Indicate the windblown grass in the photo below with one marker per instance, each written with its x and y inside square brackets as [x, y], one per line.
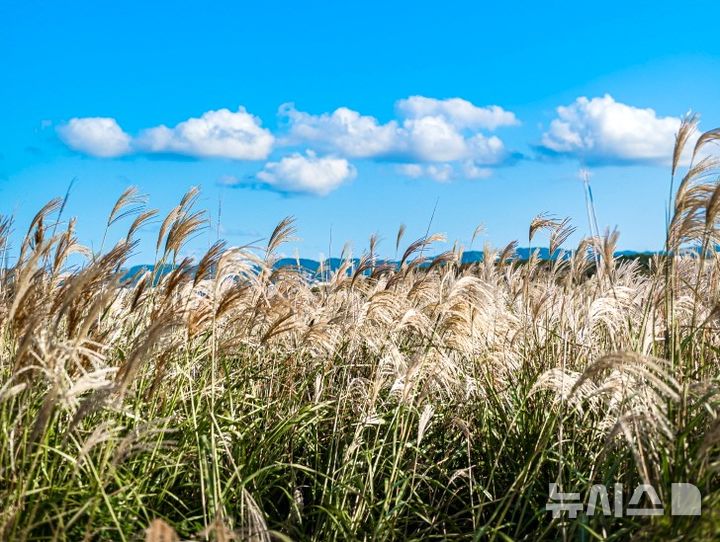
[230, 399]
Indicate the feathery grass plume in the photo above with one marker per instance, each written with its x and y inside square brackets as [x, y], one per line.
[543, 221]
[36, 232]
[568, 388]
[366, 263]
[418, 245]
[171, 217]
[78, 287]
[282, 233]
[651, 370]
[687, 129]
[138, 356]
[399, 238]
[183, 230]
[509, 252]
[559, 234]
[142, 282]
[129, 203]
[699, 172]
[479, 230]
[710, 136]
[695, 208]
[63, 204]
[26, 273]
[189, 199]
[142, 219]
[172, 282]
[67, 244]
[372, 245]
[180, 224]
[209, 262]
[605, 247]
[283, 324]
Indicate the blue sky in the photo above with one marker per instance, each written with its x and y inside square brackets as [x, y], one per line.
[354, 117]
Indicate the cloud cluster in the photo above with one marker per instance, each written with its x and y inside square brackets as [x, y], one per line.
[429, 138]
[427, 131]
[601, 130]
[236, 135]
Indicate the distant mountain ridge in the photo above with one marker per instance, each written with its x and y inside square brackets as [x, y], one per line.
[332, 264]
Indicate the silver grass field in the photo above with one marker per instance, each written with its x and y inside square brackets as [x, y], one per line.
[229, 399]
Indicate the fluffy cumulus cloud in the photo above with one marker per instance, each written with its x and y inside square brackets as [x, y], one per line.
[601, 130]
[344, 131]
[428, 131]
[307, 173]
[348, 133]
[236, 135]
[457, 111]
[95, 136]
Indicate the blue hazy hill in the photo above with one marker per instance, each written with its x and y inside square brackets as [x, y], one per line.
[312, 267]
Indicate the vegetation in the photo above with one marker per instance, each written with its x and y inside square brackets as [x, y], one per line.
[231, 399]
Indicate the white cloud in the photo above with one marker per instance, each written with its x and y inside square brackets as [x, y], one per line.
[434, 131]
[472, 171]
[456, 111]
[96, 136]
[307, 173]
[437, 172]
[603, 130]
[344, 131]
[237, 135]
